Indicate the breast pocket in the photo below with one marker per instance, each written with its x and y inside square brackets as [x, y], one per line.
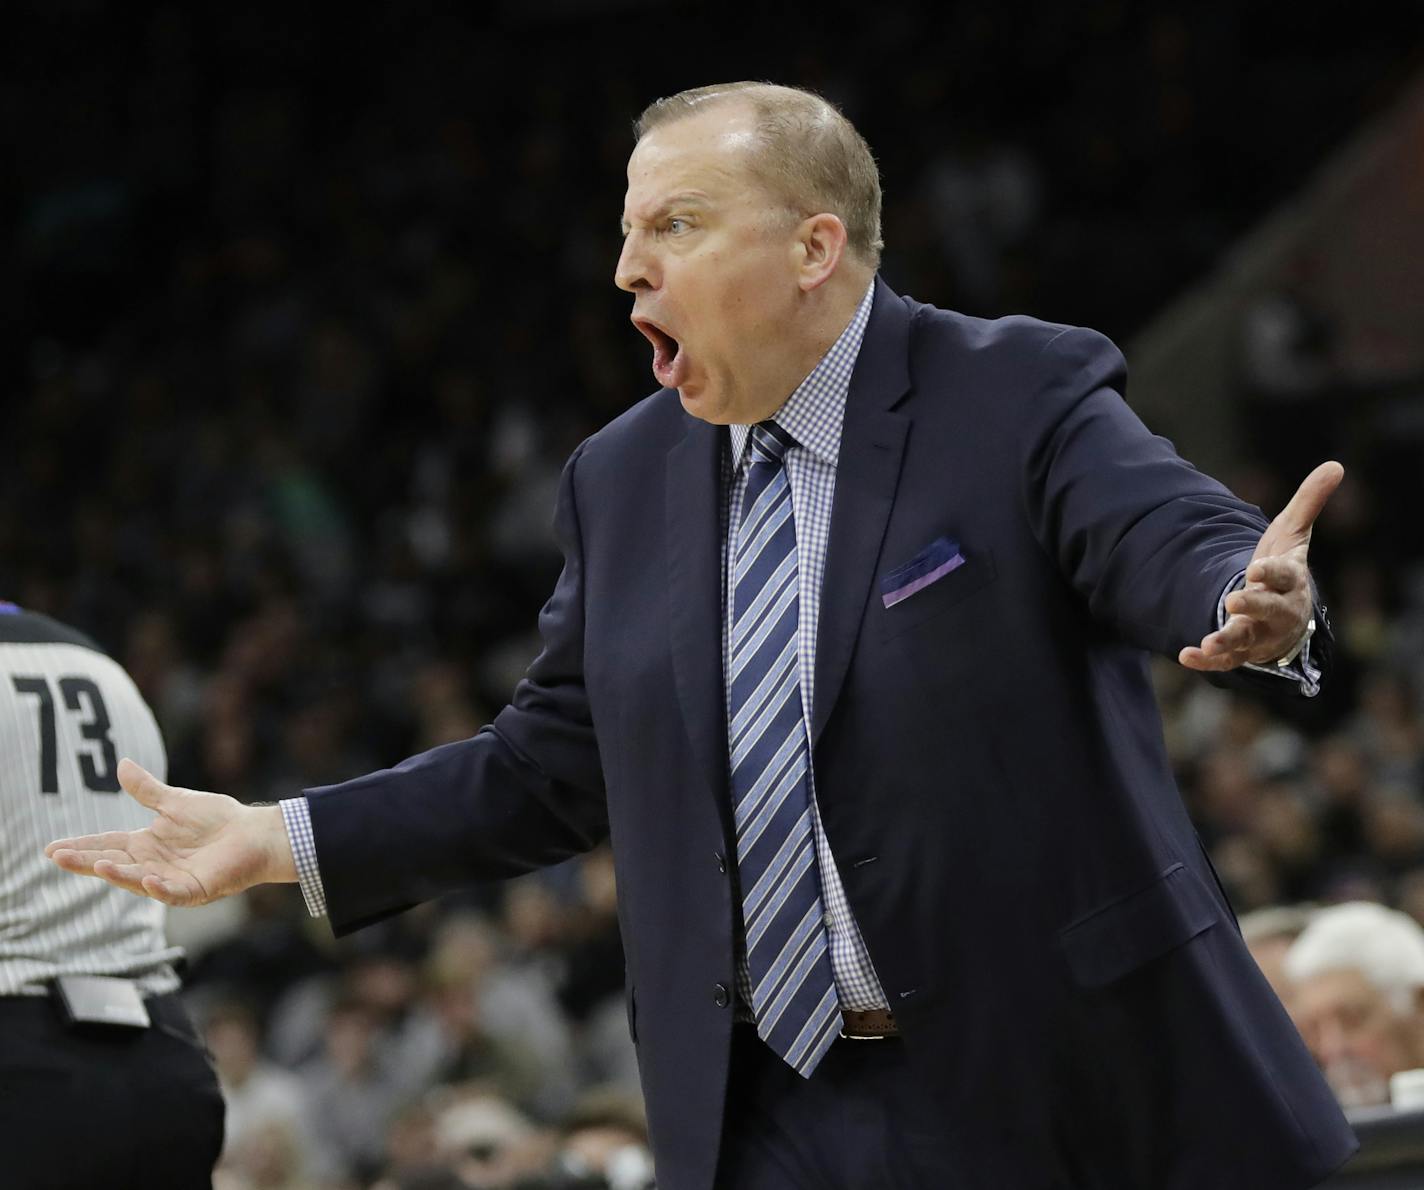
[975, 575]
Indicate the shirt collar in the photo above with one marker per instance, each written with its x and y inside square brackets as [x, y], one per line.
[815, 412]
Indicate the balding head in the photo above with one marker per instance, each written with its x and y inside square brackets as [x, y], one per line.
[806, 153]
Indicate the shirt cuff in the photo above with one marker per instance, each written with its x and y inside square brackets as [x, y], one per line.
[1299, 669]
[297, 815]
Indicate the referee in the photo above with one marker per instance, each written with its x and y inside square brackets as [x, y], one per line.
[103, 1081]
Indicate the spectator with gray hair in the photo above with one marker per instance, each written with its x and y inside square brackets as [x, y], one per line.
[1269, 933]
[1356, 973]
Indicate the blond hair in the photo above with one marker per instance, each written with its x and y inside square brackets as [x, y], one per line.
[810, 156]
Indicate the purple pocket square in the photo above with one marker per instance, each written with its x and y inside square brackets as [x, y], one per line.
[931, 564]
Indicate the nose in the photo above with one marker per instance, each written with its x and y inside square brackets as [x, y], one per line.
[636, 270]
[1331, 1042]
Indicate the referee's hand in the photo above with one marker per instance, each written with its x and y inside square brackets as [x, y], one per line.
[198, 848]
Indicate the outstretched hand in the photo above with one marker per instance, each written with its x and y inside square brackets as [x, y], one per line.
[199, 848]
[1269, 615]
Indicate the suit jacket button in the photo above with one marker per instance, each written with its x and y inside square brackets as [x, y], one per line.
[720, 995]
[721, 862]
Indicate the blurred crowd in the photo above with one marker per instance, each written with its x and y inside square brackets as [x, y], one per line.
[307, 336]
[478, 1042]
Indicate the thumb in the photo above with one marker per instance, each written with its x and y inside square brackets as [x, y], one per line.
[143, 786]
[1299, 515]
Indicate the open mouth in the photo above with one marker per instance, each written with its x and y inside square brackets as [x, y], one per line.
[669, 363]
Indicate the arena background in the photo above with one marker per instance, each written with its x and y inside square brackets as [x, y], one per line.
[307, 307]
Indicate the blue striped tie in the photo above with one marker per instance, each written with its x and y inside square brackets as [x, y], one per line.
[788, 953]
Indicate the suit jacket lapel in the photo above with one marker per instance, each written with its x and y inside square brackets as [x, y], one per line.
[694, 489]
[872, 447]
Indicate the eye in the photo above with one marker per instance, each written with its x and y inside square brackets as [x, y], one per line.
[677, 226]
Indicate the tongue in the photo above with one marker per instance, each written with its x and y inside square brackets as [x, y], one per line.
[669, 365]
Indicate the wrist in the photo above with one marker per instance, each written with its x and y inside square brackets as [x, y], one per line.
[1305, 636]
[281, 867]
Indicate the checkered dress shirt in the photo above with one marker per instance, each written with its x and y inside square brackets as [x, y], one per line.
[813, 415]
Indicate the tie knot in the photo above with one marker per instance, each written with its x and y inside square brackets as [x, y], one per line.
[769, 443]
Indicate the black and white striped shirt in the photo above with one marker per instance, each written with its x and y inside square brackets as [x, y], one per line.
[67, 713]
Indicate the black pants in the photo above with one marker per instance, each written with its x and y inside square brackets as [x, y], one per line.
[136, 1108]
[858, 1123]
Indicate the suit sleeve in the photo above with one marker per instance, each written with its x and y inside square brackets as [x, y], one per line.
[1145, 538]
[525, 792]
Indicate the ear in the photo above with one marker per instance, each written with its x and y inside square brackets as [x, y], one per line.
[820, 245]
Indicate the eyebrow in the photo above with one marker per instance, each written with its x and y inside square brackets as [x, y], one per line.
[671, 204]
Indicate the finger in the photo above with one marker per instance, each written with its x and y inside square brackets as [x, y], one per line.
[128, 877]
[73, 861]
[1299, 515]
[108, 841]
[170, 892]
[84, 862]
[1193, 658]
[1276, 574]
[143, 786]
[1235, 636]
[1261, 606]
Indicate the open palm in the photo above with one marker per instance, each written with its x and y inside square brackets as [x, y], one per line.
[1268, 617]
[199, 847]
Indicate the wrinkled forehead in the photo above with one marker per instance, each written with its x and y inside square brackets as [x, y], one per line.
[1337, 990]
[711, 153]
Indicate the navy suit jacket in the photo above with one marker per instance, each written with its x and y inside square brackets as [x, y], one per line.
[1066, 971]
